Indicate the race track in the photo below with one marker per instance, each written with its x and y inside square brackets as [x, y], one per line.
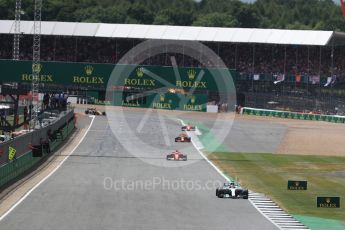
[93, 189]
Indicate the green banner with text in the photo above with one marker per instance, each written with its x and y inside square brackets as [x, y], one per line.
[328, 202]
[98, 75]
[297, 185]
[169, 101]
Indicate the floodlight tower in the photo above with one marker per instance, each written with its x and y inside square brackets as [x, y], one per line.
[16, 37]
[36, 56]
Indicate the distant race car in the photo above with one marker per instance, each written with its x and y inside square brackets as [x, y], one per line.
[182, 138]
[232, 190]
[188, 128]
[94, 111]
[176, 156]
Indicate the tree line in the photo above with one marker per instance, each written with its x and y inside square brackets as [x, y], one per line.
[280, 14]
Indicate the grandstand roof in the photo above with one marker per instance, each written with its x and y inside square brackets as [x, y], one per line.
[211, 34]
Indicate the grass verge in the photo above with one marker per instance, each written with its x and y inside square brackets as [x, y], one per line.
[269, 173]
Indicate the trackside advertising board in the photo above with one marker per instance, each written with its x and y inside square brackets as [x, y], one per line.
[328, 202]
[297, 185]
[98, 75]
[169, 101]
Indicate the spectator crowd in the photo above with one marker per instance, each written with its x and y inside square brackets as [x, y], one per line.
[245, 58]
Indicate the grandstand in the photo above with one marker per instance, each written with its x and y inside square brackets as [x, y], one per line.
[308, 65]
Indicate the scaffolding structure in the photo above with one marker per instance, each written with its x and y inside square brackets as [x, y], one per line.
[16, 36]
[36, 66]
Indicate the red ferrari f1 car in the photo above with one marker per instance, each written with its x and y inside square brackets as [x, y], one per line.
[176, 156]
[182, 138]
[188, 128]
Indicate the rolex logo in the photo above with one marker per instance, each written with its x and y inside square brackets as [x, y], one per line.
[192, 100]
[328, 200]
[161, 98]
[140, 72]
[36, 68]
[88, 70]
[191, 74]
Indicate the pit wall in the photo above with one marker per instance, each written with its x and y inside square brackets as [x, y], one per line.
[21, 143]
[23, 163]
[293, 115]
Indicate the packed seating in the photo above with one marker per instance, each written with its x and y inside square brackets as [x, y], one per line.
[245, 58]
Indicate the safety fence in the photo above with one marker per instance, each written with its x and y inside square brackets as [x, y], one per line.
[293, 115]
[20, 165]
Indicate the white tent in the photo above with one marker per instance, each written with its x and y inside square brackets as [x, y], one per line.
[211, 34]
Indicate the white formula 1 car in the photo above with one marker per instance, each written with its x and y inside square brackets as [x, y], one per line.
[232, 190]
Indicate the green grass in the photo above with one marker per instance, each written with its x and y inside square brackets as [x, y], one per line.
[269, 173]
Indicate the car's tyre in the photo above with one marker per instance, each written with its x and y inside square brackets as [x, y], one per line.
[220, 195]
[185, 158]
[86, 112]
[167, 158]
[237, 192]
[245, 194]
[217, 192]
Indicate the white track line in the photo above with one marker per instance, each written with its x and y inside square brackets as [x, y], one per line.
[257, 207]
[203, 156]
[49, 175]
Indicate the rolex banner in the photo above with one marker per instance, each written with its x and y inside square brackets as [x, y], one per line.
[56, 72]
[169, 101]
[180, 102]
[98, 75]
[328, 202]
[297, 185]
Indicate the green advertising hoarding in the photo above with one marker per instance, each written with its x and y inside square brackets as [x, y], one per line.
[297, 185]
[56, 72]
[98, 75]
[328, 202]
[169, 101]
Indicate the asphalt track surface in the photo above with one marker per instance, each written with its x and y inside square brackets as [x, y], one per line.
[82, 193]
